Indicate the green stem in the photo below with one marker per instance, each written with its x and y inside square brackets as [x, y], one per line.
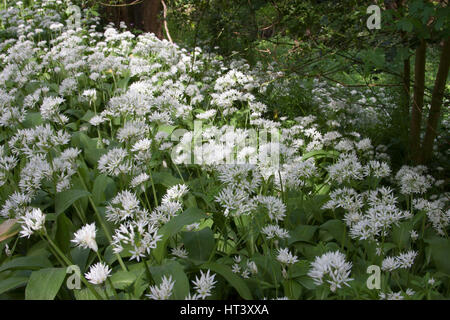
[69, 263]
[108, 279]
[100, 220]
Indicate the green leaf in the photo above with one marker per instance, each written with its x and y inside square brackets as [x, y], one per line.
[64, 232]
[235, 281]
[101, 183]
[174, 269]
[292, 289]
[165, 178]
[65, 199]
[26, 263]
[302, 233]
[338, 230]
[401, 234]
[44, 284]
[172, 227]
[79, 257]
[440, 249]
[199, 244]
[321, 154]
[123, 279]
[86, 294]
[32, 119]
[12, 283]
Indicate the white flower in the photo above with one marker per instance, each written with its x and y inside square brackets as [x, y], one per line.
[285, 257]
[180, 252]
[274, 231]
[175, 193]
[33, 220]
[410, 292]
[115, 162]
[333, 268]
[164, 291]
[204, 284]
[85, 237]
[96, 120]
[389, 264]
[406, 260]
[98, 273]
[402, 261]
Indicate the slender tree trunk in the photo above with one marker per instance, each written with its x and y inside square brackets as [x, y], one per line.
[436, 103]
[406, 85]
[417, 105]
[151, 9]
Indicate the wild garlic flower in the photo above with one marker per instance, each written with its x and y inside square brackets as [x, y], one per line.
[115, 162]
[16, 205]
[391, 296]
[413, 180]
[204, 284]
[331, 267]
[85, 237]
[377, 169]
[32, 221]
[347, 168]
[123, 206]
[381, 214]
[274, 231]
[285, 257]
[138, 236]
[402, 261]
[50, 109]
[165, 212]
[276, 209]
[175, 193]
[235, 201]
[244, 176]
[163, 291]
[180, 252]
[436, 213]
[98, 273]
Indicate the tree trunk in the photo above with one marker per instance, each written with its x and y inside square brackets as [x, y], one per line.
[406, 85]
[151, 21]
[436, 103]
[417, 105]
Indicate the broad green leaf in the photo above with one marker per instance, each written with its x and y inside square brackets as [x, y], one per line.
[12, 283]
[234, 280]
[292, 289]
[86, 294]
[165, 178]
[302, 233]
[174, 269]
[64, 232]
[101, 183]
[26, 263]
[199, 244]
[338, 230]
[79, 257]
[440, 250]
[172, 227]
[44, 284]
[123, 279]
[65, 199]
